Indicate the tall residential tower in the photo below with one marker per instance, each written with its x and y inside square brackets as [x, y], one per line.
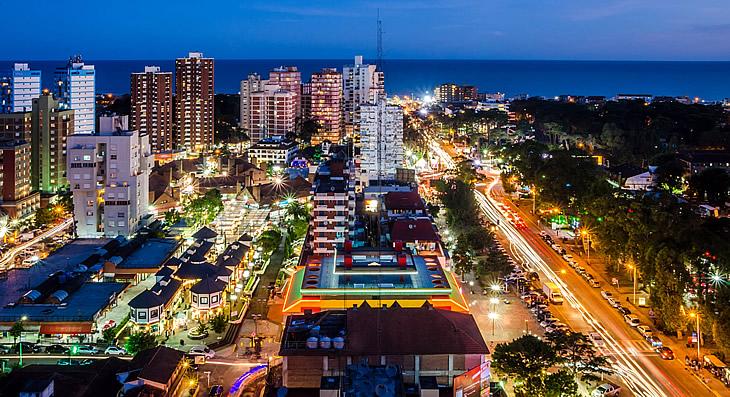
[361, 85]
[152, 106]
[194, 96]
[75, 89]
[18, 87]
[381, 140]
[327, 105]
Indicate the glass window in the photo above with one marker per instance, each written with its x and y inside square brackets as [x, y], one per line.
[87, 157]
[214, 299]
[154, 313]
[195, 298]
[142, 315]
[203, 300]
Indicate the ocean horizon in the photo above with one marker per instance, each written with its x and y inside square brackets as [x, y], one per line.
[707, 80]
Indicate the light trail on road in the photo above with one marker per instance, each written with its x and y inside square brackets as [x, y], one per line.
[10, 255]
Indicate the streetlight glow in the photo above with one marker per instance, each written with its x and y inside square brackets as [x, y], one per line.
[494, 301]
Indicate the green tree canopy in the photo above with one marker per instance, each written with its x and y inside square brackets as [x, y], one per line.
[140, 341]
[524, 356]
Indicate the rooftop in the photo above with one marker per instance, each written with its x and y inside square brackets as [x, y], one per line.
[158, 364]
[151, 255]
[159, 295]
[413, 229]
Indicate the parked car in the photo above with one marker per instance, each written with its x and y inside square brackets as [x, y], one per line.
[548, 321]
[594, 283]
[86, 349]
[596, 339]
[216, 391]
[568, 257]
[632, 320]
[606, 389]
[614, 303]
[57, 349]
[645, 331]
[606, 294]
[115, 350]
[4, 349]
[68, 361]
[665, 353]
[27, 347]
[580, 270]
[624, 311]
[202, 351]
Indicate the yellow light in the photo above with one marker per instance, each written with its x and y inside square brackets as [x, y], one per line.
[692, 315]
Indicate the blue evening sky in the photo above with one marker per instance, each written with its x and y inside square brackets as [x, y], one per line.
[444, 29]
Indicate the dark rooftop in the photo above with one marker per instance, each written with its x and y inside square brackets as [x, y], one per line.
[158, 364]
[159, 295]
[412, 230]
[205, 233]
[208, 285]
[404, 201]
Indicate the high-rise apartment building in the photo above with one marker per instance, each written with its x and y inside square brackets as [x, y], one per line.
[381, 140]
[272, 113]
[333, 210]
[361, 84]
[152, 106]
[194, 96]
[252, 84]
[18, 199]
[16, 125]
[449, 92]
[289, 79]
[305, 100]
[109, 173]
[18, 87]
[327, 105]
[50, 128]
[75, 87]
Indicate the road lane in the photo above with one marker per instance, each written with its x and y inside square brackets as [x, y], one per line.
[10, 255]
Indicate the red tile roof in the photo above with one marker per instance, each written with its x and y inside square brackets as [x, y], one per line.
[404, 201]
[412, 230]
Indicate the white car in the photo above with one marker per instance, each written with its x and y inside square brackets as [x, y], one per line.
[115, 351]
[606, 294]
[596, 339]
[606, 390]
[87, 350]
[632, 320]
[645, 331]
[548, 322]
[202, 351]
[568, 257]
[614, 303]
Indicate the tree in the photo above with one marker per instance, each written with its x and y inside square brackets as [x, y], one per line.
[579, 354]
[669, 172]
[203, 209]
[172, 216]
[524, 356]
[218, 323]
[558, 384]
[711, 184]
[16, 331]
[270, 240]
[202, 328]
[433, 209]
[109, 334]
[307, 128]
[140, 341]
[44, 216]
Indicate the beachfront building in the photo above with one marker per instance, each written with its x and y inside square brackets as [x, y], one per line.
[194, 96]
[449, 92]
[253, 83]
[272, 113]
[152, 106]
[18, 87]
[361, 84]
[109, 175]
[75, 89]
[289, 79]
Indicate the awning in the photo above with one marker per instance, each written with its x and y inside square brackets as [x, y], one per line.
[69, 328]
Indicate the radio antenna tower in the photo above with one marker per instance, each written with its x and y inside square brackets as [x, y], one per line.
[379, 63]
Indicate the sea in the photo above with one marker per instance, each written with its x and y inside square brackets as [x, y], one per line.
[709, 81]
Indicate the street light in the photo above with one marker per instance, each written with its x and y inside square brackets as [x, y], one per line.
[697, 315]
[20, 344]
[494, 301]
[493, 316]
[633, 267]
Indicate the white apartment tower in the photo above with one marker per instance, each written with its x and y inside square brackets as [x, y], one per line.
[361, 84]
[272, 113]
[109, 173]
[18, 87]
[381, 140]
[75, 89]
[252, 84]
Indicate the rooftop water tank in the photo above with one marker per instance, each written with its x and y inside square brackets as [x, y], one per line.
[312, 342]
[325, 342]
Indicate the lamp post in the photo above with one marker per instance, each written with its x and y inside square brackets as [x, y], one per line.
[697, 316]
[20, 344]
[587, 236]
[493, 316]
[633, 267]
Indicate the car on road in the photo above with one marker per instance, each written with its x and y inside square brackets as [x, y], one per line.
[27, 347]
[632, 320]
[594, 283]
[606, 294]
[216, 391]
[57, 349]
[115, 350]
[665, 353]
[86, 349]
[587, 276]
[611, 302]
[580, 270]
[544, 314]
[614, 303]
[645, 331]
[548, 322]
[606, 390]
[68, 361]
[537, 309]
[568, 257]
[4, 349]
[202, 351]
[596, 339]
[624, 311]
[556, 327]
[655, 341]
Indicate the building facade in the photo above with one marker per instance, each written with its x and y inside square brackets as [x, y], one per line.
[109, 173]
[276, 152]
[272, 113]
[289, 79]
[381, 140]
[51, 126]
[18, 87]
[18, 199]
[333, 209]
[195, 90]
[361, 85]
[16, 125]
[252, 84]
[75, 88]
[152, 106]
[327, 105]
[449, 92]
